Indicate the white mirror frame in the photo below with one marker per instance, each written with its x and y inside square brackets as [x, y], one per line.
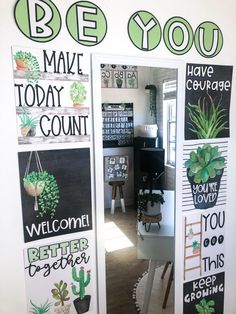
[97, 60]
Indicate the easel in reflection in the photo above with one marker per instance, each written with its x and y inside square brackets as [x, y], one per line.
[116, 173]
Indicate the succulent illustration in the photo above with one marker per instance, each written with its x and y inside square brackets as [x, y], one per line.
[131, 82]
[195, 245]
[27, 62]
[80, 278]
[60, 293]
[78, 93]
[28, 123]
[205, 163]
[106, 81]
[207, 117]
[44, 186]
[40, 309]
[205, 307]
[119, 82]
[190, 233]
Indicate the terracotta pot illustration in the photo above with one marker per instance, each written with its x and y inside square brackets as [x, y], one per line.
[196, 251]
[65, 309]
[21, 65]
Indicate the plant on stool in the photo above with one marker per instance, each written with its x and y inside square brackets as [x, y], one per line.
[83, 301]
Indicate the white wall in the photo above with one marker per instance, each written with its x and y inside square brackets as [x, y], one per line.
[12, 288]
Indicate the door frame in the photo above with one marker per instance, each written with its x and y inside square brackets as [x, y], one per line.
[96, 60]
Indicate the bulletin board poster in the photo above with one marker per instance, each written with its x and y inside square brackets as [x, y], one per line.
[119, 76]
[61, 276]
[207, 101]
[204, 244]
[118, 124]
[205, 295]
[52, 96]
[204, 175]
[116, 168]
[55, 192]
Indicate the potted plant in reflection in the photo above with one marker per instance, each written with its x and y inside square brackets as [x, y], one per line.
[149, 208]
[204, 171]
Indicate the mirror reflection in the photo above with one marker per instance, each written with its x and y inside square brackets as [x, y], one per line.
[139, 140]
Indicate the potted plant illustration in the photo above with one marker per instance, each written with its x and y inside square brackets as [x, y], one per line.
[131, 82]
[40, 309]
[196, 247]
[190, 233]
[82, 302]
[205, 307]
[149, 208]
[204, 171]
[28, 63]
[28, 123]
[60, 294]
[207, 117]
[119, 82]
[43, 187]
[105, 82]
[78, 94]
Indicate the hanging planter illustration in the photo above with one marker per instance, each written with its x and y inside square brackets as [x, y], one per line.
[82, 303]
[28, 63]
[78, 94]
[60, 294]
[204, 171]
[43, 187]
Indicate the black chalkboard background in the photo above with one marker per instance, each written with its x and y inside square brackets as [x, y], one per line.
[71, 169]
[217, 297]
[221, 73]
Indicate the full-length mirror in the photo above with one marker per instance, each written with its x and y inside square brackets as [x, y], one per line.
[137, 123]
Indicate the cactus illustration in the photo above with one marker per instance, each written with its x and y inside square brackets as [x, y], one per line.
[81, 280]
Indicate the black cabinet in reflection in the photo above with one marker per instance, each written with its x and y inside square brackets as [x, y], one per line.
[148, 165]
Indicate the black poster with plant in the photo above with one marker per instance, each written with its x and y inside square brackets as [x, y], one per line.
[205, 295]
[55, 192]
[207, 101]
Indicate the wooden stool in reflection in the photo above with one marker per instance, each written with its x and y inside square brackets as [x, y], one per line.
[170, 279]
[117, 185]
